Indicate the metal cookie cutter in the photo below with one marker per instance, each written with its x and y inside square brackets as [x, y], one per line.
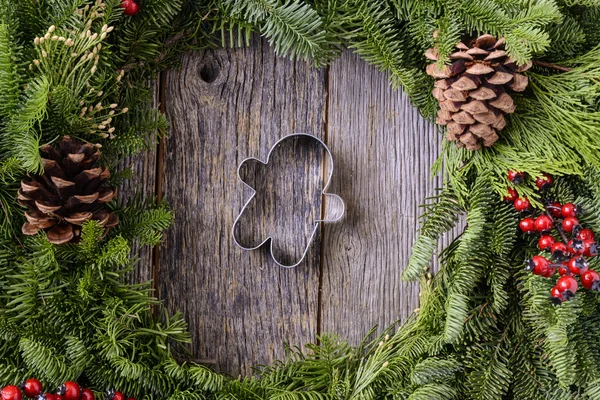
[288, 198]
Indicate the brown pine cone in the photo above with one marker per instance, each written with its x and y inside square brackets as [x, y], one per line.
[71, 191]
[472, 90]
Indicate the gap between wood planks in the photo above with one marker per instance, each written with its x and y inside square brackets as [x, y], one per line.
[158, 191]
[323, 210]
[160, 151]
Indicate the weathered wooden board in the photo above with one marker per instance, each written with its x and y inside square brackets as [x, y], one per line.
[384, 151]
[227, 105]
[224, 106]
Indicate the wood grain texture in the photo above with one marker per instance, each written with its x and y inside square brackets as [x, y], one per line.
[143, 184]
[224, 106]
[383, 153]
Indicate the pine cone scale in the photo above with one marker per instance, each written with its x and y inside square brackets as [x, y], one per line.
[61, 234]
[472, 90]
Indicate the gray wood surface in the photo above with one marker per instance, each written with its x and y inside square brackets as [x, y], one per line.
[227, 105]
[383, 151]
[224, 106]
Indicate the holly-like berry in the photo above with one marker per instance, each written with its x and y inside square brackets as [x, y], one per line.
[544, 182]
[70, 391]
[569, 223]
[559, 250]
[555, 209]
[527, 225]
[569, 210]
[511, 196]
[522, 204]
[576, 247]
[118, 396]
[539, 266]
[543, 223]
[591, 280]
[516, 177]
[586, 234]
[11, 392]
[32, 387]
[564, 268]
[545, 242]
[87, 394]
[556, 295]
[590, 248]
[567, 284]
[130, 7]
[578, 265]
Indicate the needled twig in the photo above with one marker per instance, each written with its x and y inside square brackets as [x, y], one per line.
[551, 66]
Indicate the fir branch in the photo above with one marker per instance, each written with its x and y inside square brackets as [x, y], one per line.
[291, 26]
[21, 139]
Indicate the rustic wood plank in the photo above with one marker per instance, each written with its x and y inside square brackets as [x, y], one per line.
[224, 106]
[384, 150]
[142, 183]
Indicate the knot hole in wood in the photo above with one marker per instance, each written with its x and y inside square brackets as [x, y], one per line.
[210, 68]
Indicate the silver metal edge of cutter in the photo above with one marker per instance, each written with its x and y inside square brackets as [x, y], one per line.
[323, 193]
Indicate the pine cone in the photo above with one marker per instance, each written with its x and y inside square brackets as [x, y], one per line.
[472, 90]
[70, 192]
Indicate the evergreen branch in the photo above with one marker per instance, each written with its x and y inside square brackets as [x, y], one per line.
[291, 26]
[438, 218]
[21, 139]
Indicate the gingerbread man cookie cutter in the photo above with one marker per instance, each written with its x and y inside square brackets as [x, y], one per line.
[250, 172]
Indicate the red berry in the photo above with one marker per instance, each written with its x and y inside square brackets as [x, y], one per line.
[87, 394]
[590, 248]
[564, 268]
[32, 387]
[578, 265]
[119, 396]
[588, 279]
[545, 242]
[555, 209]
[559, 250]
[556, 294]
[130, 7]
[569, 210]
[527, 225]
[586, 234]
[567, 283]
[540, 266]
[516, 177]
[576, 247]
[543, 223]
[569, 224]
[544, 182]
[511, 196]
[11, 392]
[522, 204]
[70, 391]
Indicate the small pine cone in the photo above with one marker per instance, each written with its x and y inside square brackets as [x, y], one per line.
[71, 191]
[472, 90]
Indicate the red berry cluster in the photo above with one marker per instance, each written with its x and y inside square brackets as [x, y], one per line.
[570, 254]
[33, 389]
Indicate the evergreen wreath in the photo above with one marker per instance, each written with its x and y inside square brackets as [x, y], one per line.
[485, 329]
